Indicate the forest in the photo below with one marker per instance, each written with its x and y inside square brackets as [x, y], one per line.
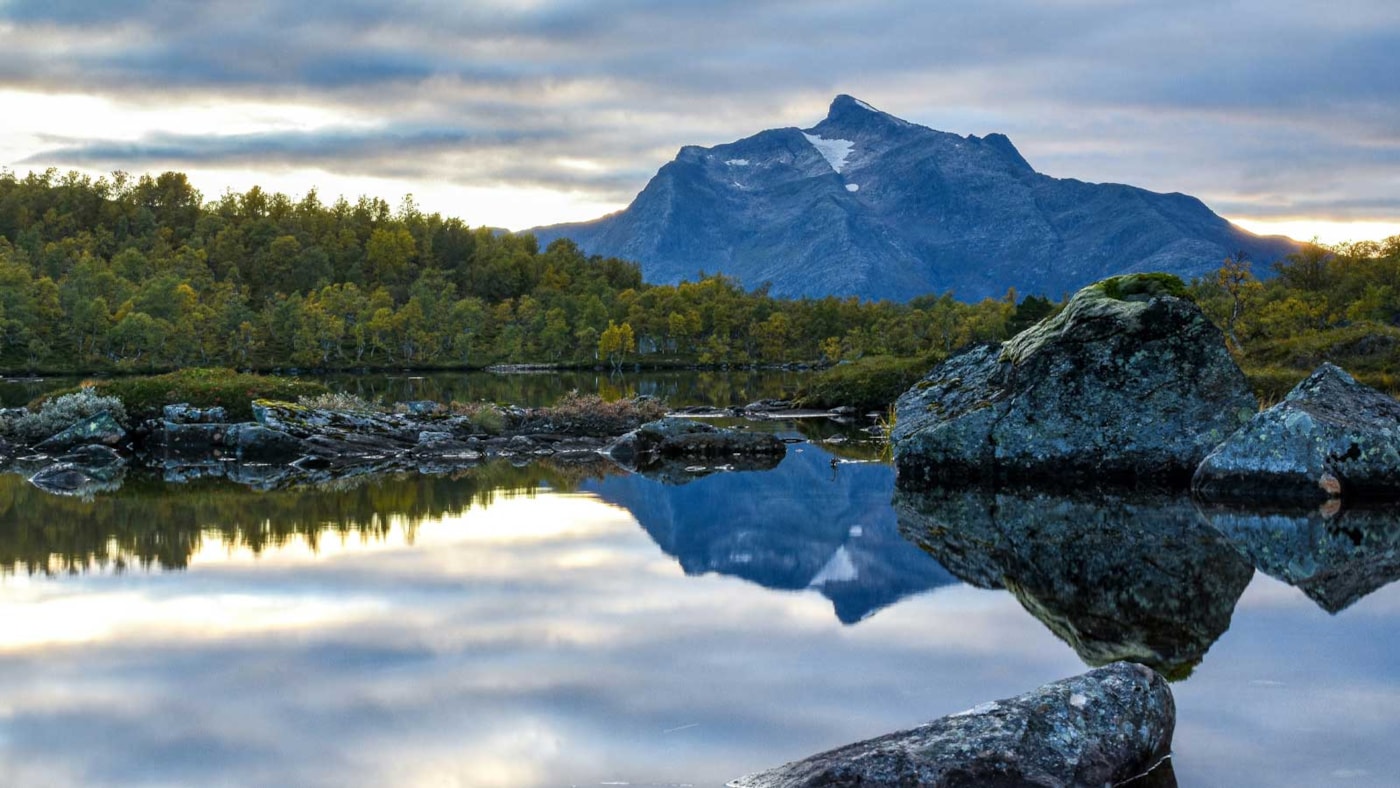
[123, 273]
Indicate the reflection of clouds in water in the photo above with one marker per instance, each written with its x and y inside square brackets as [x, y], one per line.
[483, 655]
[549, 641]
[1291, 693]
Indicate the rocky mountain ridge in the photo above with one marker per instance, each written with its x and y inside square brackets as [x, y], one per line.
[867, 204]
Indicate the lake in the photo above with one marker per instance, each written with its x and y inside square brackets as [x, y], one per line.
[555, 625]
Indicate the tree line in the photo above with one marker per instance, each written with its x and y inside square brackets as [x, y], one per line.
[1324, 303]
[142, 273]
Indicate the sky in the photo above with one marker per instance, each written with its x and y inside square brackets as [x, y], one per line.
[1283, 115]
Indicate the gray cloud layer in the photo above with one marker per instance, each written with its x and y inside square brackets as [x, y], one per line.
[1258, 107]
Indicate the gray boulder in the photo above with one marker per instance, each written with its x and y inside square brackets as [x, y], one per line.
[1100, 728]
[1130, 382]
[101, 428]
[1331, 437]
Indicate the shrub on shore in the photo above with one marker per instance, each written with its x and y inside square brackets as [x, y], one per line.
[590, 414]
[57, 413]
[144, 397]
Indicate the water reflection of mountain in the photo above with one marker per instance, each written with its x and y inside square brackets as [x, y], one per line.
[807, 524]
[1335, 556]
[153, 524]
[1138, 578]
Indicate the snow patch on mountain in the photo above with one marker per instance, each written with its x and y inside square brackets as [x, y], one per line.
[839, 569]
[738, 162]
[834, 151]
[853, 187]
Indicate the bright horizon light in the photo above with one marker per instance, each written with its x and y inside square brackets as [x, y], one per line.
[1329, 232]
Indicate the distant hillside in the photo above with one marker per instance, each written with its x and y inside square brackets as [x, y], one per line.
[867, 204]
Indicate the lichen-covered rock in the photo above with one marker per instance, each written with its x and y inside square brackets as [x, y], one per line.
[1129, 382]
[101, 428]
[1334, 555]
[1331, 437]
[184, 413]
[1100, 728]
[1138, 577]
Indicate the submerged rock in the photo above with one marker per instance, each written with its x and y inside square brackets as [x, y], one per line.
[1129, 382]
[1334, 555]
[1100, 728]
[67, 478]
[1138, 578]
[251, 442]
[101, 428]
[1331, 437]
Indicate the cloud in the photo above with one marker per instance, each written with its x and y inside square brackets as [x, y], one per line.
[1191, 96]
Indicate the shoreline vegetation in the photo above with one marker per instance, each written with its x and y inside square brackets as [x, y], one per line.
[126, 276]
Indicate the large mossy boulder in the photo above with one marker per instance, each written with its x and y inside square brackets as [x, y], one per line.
[1331, 437]
[1101, 728]
[1129, 383]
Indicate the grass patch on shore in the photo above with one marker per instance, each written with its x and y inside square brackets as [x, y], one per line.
[1370, 353]
[872, 383]
[145, 396]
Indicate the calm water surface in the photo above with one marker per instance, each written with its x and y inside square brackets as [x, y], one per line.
[548, 626]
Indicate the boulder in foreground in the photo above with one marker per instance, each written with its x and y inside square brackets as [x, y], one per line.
[1130, 382]
[1100, 728]
[1331, 437]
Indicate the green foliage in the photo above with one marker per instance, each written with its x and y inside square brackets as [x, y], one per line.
[141, 274]
[144, 397]
[869, 384]
[57, 413]
[1339, 304]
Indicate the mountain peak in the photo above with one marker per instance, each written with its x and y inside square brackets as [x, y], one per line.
[850, 107]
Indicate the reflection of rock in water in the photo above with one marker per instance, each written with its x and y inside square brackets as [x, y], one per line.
[1138, 579]
[807, 524]
[1335, 556]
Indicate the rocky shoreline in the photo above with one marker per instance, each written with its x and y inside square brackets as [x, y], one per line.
[287, 443]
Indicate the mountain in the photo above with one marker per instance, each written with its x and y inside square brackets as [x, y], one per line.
[806, 525]
[866, 204]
